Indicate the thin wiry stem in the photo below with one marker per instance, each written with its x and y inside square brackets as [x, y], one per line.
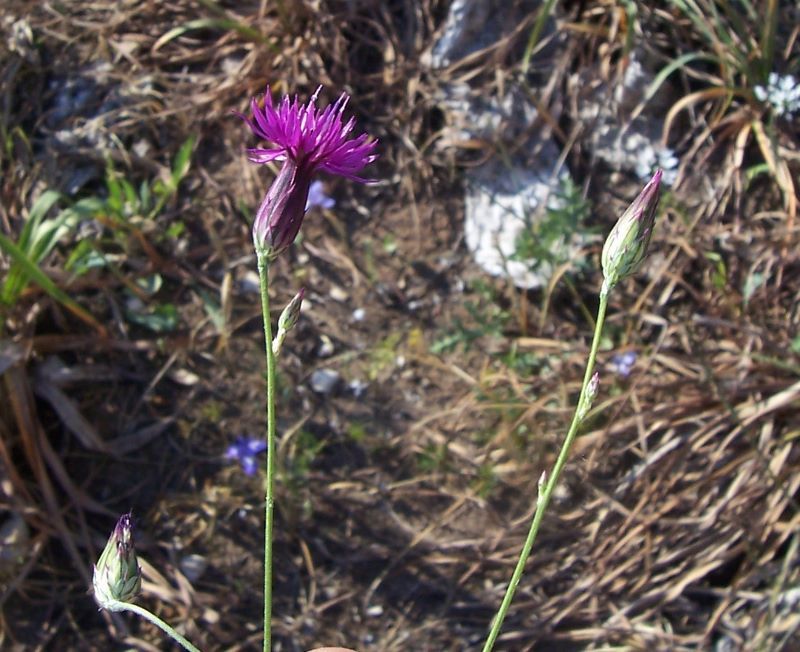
[543, 499]
[151, 617]
[269, 500]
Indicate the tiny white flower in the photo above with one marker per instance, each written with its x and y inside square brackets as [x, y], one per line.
[782, 93]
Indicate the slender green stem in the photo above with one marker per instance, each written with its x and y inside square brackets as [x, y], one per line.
[147, 615]
[543, 499]
[536, 32]
[269, 501]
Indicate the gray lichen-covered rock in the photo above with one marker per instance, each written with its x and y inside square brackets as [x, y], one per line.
[504, 122]
[511, 191]
[624, 123]
[502, 202]
[324, 381]
[473, 25]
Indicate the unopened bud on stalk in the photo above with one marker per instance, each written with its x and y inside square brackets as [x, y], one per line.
[287, 320]
[541, 485]
[117, 576]
[291, 312]
[626, 245]
[594, 385]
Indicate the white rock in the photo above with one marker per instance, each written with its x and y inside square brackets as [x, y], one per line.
[193, 567]
[624, 144]
[500, 204]
[324, 381]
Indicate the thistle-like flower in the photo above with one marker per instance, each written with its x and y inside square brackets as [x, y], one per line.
[626, 245]
[117, 576]
[306, 140]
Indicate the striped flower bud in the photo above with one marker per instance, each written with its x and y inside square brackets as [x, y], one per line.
[117, 576]
[626, 245]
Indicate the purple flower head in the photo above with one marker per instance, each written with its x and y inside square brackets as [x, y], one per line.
[622, 363]
[306, 140]
[245, 449]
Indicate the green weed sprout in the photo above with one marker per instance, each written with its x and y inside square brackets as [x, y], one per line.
[306, 141]
[117, 579]
[37, 238]
[624, 250]
[40, 234]
[125, 201]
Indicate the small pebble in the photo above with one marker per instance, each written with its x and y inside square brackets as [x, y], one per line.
[249, 283]
[358, 387]
[193, 567]
[324, 381]
[338, 293]
[326, 347]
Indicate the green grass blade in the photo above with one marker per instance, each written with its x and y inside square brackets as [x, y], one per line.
[15, 280]
[665, 72]
[180, 166]
[132, 205]
[31, 271]
[38, 211]
[536, 32]
[115, 201]
[768, 39]
[145, 197]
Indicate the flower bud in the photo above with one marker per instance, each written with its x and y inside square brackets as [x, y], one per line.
[626, 245]
[117, 576]
[592, 389]
[287, 320]
[591, 393]
[291, 312]
[281, 213]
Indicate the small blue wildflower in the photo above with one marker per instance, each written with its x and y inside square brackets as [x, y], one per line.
[622, 363]
[317, 196]
[245, 449]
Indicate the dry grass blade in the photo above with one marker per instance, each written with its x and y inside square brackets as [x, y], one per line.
[33, 439]
[69, 414]
[780, 170]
